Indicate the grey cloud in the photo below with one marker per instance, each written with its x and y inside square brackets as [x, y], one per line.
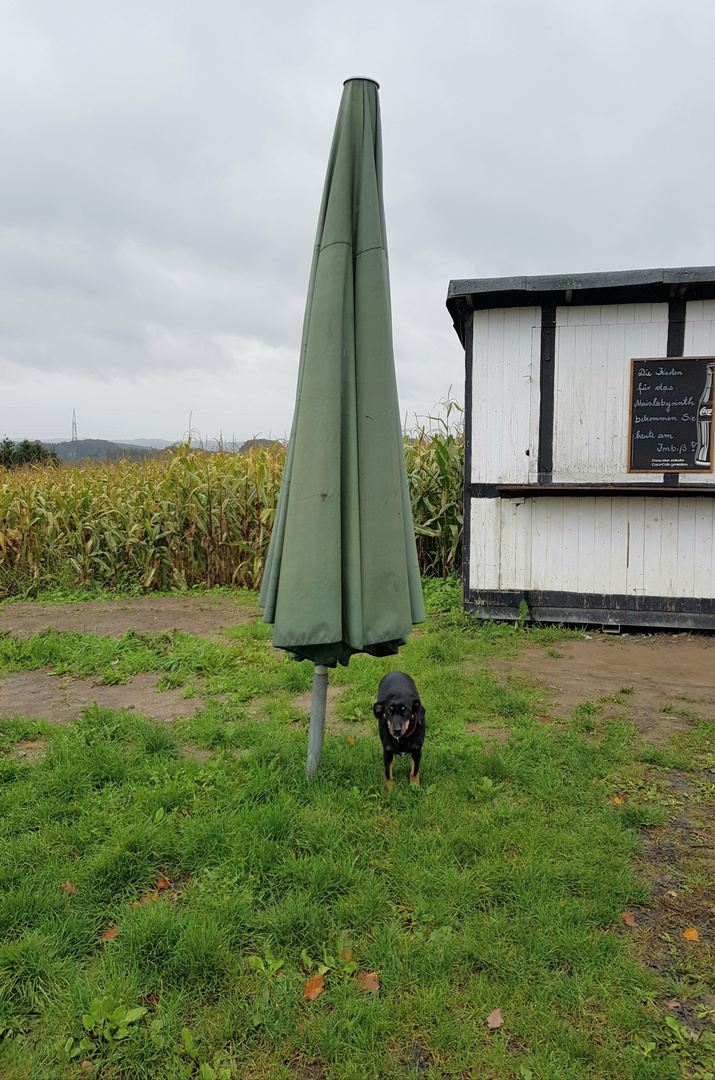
[163, 165]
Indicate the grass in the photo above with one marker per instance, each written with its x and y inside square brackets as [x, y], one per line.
[497, 884]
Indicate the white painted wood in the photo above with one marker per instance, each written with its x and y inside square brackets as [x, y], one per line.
[617, 560]
[703, 548]
[485, 556]
[592, 387]
[638, 546]
[635, 553]
[654, 545]
[503, 374]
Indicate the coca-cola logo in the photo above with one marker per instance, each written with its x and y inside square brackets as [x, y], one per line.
[705, 412]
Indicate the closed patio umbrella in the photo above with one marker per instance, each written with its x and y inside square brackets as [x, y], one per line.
[341, 574]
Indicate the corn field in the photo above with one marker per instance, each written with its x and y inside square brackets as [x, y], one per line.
[188, 519]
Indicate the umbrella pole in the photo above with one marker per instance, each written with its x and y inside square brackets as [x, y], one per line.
[317, 719]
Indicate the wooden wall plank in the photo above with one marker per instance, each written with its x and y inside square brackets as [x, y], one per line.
[485, 560]
[640, 546]
[593, 387]
[502, 379]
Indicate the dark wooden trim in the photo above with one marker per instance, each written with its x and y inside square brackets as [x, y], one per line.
[468, 420]
[584, 491]
[595, 608]
[675, 347]
[621, 287]
[545, 459]
[676, 328]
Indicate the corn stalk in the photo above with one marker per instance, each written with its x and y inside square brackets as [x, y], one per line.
[189, 518]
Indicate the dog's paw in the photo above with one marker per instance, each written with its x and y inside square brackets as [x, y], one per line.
[415, 779]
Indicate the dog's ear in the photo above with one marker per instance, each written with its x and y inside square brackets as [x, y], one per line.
[379, 710]
[416, 706]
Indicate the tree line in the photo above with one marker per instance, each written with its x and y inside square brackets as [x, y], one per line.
[13, 455]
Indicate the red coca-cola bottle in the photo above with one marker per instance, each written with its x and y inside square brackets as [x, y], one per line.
[705, 419]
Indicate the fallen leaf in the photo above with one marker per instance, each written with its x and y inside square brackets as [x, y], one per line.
[162, 883]
[87, 1065]
[618, 799]
[494, 1020]
[30, 745]
[313, 988]
[628, 918]
[111, 933]
[691, 934]
[699, 832]
[351, 741]
[672, 1004]
[369, 981]
[153, 896]
[68, 888]
[136, 903]
[346, 955]
[544, 719]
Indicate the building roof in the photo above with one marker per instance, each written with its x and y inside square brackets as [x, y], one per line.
[613, 287]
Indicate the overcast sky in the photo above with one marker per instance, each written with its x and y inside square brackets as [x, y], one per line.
[163, 164]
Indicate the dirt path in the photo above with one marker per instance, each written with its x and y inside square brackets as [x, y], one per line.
[672, 672]
[62, 698]
[199, 615]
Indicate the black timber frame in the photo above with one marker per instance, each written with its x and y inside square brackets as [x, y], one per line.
[674, 286]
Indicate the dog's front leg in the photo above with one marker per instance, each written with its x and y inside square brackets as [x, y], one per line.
[415, 770]
[387, 758]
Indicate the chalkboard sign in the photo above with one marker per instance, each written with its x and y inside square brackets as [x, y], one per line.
[671, 415]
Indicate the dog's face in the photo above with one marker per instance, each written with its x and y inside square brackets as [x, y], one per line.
[398, 715]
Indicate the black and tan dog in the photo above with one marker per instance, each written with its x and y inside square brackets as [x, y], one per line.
[401, 722]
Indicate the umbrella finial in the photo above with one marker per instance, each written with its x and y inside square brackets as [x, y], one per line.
[362, 78]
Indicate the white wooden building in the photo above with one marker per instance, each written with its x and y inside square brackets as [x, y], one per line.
[589, 485]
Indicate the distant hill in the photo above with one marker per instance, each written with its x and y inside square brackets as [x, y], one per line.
[139, 449]
[102, 450]
[251, 444]
[150, 444]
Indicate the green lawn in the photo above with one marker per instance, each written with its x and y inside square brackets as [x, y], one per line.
[499, 884]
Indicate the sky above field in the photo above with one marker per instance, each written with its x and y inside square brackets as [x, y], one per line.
[163, 164]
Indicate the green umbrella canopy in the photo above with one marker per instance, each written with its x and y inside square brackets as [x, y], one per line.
[342, 575]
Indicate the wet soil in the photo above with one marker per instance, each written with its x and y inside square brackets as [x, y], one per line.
[200, 615]
[667, 678]
[62, 698]
[677, 861]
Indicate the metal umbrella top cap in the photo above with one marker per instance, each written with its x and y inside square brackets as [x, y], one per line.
[362, 78]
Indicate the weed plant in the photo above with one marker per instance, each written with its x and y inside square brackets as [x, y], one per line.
[162, 911]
